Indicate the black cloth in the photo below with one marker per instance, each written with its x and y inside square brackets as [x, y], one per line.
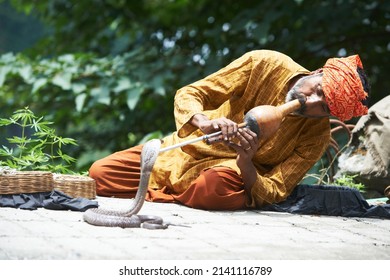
[54, 200]
[331, 201]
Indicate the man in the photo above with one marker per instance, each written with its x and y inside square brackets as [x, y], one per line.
[242, 171]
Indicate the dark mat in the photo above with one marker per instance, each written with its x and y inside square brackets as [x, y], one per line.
[329, 200]
[54, 200]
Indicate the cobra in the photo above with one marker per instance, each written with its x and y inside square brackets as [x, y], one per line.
[129, 218]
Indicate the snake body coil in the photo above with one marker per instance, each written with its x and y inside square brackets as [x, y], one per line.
[129, 218]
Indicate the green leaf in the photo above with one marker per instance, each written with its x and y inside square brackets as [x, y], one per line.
[3, 74]
[7, 58]
[68, 141]
[157, 83]
[40, 126]
[17, 140]
[65, 157]
[25, 115]
[133, 96]
[5, 151]
[63, 80]
[160, 91]
[5, 122]
[13, 165]
[38, 84]
[78, 88]
[80, 100]
[26, 73]
[101, 95]
[36, 158]
[123, 84]
[67, 58]
[36, 124]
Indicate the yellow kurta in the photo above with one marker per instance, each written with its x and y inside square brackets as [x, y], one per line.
[257, 78]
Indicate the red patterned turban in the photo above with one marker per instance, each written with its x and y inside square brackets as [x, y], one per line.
[343, 88]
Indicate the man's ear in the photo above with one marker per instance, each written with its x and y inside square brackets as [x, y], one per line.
[318, 71]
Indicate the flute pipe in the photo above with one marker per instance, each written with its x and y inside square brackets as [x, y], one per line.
[212, 139]
[198, 139]
[185, 143]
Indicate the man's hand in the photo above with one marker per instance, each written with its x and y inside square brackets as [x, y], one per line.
[228, 127]
[247, 146]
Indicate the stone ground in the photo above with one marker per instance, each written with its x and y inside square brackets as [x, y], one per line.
[241, 235]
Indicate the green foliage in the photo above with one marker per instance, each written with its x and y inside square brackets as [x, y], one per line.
[322, 177]
[37, 148]
[96, 100]
[107, 72]
[208, 34]
[349, 180]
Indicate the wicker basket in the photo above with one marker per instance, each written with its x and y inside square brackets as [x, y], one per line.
[17, 182]
[75, 185]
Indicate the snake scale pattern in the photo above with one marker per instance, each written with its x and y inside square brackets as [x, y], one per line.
[129, 218]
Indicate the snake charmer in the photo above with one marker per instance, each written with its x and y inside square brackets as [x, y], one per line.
[243, 171]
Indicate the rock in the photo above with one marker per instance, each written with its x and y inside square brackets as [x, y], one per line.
[368, 152]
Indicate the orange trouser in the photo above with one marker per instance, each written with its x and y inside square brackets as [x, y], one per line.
[218, 188]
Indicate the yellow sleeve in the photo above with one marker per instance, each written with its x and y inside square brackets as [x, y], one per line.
[208, 94]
